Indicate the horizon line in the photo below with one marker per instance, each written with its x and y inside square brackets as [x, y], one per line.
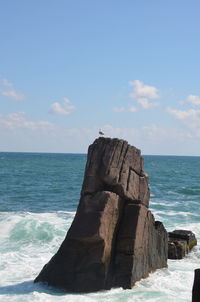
[83, 153]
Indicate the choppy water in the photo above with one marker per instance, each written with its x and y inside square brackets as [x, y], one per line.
[38, 199]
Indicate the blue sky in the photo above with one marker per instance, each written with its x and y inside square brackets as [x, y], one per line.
[131, 68]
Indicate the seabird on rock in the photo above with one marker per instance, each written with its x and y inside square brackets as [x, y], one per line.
[101, 132]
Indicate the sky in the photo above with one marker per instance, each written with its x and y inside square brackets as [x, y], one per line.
[71, 67]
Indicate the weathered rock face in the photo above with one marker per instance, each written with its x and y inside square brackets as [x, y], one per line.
[116, 166]
[113, 240]
[180, 243]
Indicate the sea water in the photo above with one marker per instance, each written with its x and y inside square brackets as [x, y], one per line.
[39, 194]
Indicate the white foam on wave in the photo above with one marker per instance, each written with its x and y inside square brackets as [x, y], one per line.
[22, 260]
[175, 213]
[164, 285]
[164, 204]
[28, 241]
[8, 220]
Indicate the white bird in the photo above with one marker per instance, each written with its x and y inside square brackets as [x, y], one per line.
[101, 132]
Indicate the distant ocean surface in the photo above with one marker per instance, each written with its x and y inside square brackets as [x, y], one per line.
[39, 194]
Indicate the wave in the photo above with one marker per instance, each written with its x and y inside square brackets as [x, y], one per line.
[32, 228]
[191, 191]
[33, 238]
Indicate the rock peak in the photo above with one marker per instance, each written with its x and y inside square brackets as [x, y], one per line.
[116, 166]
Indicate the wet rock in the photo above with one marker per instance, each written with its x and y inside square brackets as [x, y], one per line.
[141, 246]
[196, 286]
[180, 243]
[83, 260]
[114, 239]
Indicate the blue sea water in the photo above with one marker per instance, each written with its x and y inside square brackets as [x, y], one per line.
[39, 194]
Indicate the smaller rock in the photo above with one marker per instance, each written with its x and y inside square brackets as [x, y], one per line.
[180, 242]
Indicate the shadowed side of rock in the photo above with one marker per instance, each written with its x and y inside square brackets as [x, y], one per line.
[114, 239]
[180, 243]
[196, 286]
[141, 246]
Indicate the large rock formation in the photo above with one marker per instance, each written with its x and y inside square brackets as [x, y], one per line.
[114, 239]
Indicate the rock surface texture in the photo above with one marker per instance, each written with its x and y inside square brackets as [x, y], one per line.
[180, 243]
[114, 240]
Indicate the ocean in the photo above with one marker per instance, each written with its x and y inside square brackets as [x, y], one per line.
[39, 193]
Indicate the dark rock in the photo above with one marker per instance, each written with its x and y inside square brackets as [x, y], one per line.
[196, 286]
[83, 260]
[114, 239]
[141, 246]
[180, 242]
[116, 166]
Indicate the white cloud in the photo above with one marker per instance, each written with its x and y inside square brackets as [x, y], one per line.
[146, 104]
[194, 99]
[155, 139]
[10, 92]
[181, 102]
[122, 109]
[190, 118]
[142, 94]
[184, 114]
[6, 83]
[18, 120]
[132, 109]
[150, 133]
[118, 109]
[143, 91]
[13, 94]
[64, 109]
[19, 133]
